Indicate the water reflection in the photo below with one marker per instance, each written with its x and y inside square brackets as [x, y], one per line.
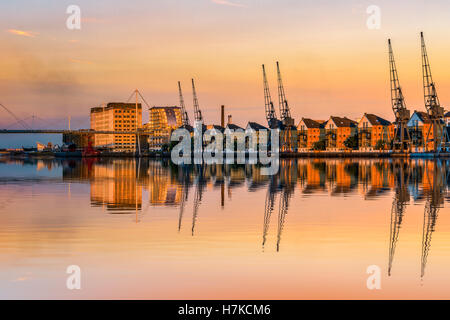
[113, 180]
[401, 199]
[118, 185]
[436, 183]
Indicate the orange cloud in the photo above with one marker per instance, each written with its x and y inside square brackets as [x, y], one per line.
[23, 33]
[80, 61]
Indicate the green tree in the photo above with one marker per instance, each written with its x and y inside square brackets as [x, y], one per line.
[380, 145]
[352, 142]
[319, 145]
[165, 147]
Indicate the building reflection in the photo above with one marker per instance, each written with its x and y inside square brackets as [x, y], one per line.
[113, 180]
[164, 189]
[113, 183]
[119, 185]
[115, 186]
[312, 175]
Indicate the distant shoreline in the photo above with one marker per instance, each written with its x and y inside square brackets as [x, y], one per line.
[166, 155]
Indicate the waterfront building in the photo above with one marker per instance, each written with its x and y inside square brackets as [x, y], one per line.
[337, 131]
[232, 128]
[255, 127]
[418, 126]
[251, 129]
[374, 133]
[288, 138]
[447, 122]
[162, 121]
[212, 131]
[215, 129]
[310, 132]
[116, 116]
[81, 139]
[447, 119]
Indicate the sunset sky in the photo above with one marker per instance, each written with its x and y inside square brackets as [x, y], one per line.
[331, 62]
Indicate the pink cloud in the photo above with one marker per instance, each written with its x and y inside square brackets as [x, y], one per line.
[93, 20]
[228, 3]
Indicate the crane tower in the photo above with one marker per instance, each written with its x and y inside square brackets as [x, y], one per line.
[402, 139]
[285, 112]
[184, 114]
[439, 138]
[271, 116]
[197, 111]
[289, 131]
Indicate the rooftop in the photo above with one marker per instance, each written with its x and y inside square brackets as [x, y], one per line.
[232, 126]
[117, 105]
[256, 126]
[343, 122]
[376, 120]
[313, 124]
[164, 107]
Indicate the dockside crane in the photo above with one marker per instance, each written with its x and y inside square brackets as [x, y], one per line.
[402, 139]
[197, 112]
[271, 116]
[288, 134]
[184, 115]
[285, 111]
[435, 112]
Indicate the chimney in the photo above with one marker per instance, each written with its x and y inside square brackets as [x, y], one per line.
[230, 119]
[222, 116]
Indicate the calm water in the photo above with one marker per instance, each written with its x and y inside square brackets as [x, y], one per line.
[146, 229]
